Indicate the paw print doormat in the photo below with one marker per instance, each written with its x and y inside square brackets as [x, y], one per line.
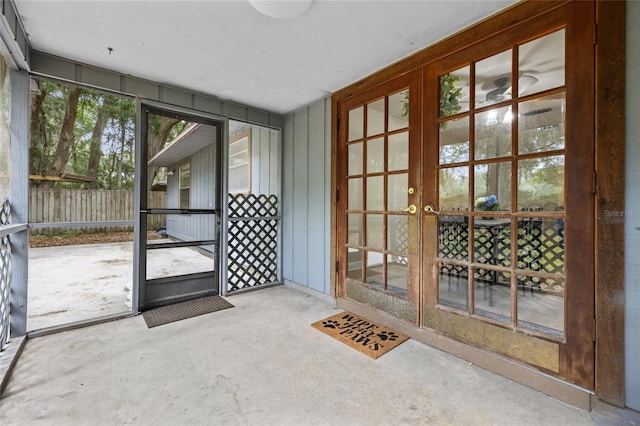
[371, 339]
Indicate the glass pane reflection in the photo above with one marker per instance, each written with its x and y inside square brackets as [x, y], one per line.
[397, 277]
[375, 232]
[492, 187]
[493, 133]
[541, 304]
[398, 111]
[397, 230]
[356, 124]
[454, 141]
[541, 57]
[375, 155]
[541, 124]
[454, 189]
[398, 191]
[375, 193]
[375, 117]
[453, 286]
[399, 151]
[355, 194]
[355, 159]
[492, 297]
[541, 245]
[541, 184]
[493, 79]
[454, 92]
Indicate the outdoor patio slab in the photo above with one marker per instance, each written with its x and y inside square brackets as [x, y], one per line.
[259, 363]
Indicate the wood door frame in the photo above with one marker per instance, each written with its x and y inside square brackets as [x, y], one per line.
[609, 89]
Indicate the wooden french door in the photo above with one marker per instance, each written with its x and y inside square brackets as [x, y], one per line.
[379, 197]
[479, 223]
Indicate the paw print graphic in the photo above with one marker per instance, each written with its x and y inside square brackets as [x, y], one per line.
[387, 335]
[330, 324]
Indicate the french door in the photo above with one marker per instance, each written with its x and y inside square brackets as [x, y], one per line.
[469, 195]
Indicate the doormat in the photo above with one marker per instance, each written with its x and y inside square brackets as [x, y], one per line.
[371, 339]
[184, 310]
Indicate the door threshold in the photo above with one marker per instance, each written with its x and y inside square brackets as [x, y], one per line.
[78, 324]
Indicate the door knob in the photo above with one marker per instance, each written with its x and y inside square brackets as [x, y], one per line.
[412, 209]
[429, 209]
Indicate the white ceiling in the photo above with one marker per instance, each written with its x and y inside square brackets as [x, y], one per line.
[229, 50]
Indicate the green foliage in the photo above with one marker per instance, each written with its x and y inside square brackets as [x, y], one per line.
[449, 95]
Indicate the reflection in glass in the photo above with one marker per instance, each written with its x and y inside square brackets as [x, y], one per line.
[541, 244]
[491, 244]
[355, 194]
[541, 184]
[397, 233]
[397, 191]
[398, 151]
[454, 189]
[397, 277]
[375, 155]
[375, 117]
[492, 187]
[541, 304]
[453, 237]
[543, 57]
[492, 297]
[356, 123]
[453, 286]
[355, 230]
[375, 231]
[375, 269]
[454, 93]
[541, 124]
[355, 159]
[454, 141]
[354, 264]
[375, 193]
[493, 79]
[398, 111]
[493, 133]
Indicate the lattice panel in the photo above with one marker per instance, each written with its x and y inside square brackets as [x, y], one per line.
[5, 275]
[252, 241]
[453, 244]
[252, 205]
[402, 241]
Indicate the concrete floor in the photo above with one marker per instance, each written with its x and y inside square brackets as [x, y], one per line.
[260, 363]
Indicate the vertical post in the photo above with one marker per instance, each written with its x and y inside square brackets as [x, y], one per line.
[19, 200]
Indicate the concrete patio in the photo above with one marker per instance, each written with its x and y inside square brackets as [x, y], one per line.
[260, 363]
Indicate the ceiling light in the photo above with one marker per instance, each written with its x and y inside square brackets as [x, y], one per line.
[281, 9]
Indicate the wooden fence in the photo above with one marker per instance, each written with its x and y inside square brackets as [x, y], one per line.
[52, 205]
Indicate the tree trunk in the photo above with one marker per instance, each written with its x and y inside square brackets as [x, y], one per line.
[66, 135]
[156, 141]
[37, 132]
[95, 151]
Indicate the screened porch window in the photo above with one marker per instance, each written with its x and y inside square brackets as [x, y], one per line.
[240, 163]
[185, 185]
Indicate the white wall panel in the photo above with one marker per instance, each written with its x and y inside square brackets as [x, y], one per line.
[632, 216]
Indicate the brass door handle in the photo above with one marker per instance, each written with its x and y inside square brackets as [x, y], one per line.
[429, 209]
[412, 209]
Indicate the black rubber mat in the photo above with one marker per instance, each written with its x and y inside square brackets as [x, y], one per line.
[183, 310]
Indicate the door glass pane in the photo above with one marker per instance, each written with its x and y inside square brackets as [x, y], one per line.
[375, 118]
[492, 294]
[493, 133]
[398, 111]
[397, 238]
[492, 187]
[541, 184]
[375, 155]
[355, 159]
[355, 194]
[454, 92]
[541, 304]
[398, 192]
[399, 151]
[491, 244]
[541, 64]
[454, 189]
[355, 230]
[453, 286]
[375, 269]
[356, 124]
[397, 278]
[454, 141]
[375, 193]
[375, 231]
[453, 237]
[493, 79]
[354, 266]
[541, 245]
[541, 124]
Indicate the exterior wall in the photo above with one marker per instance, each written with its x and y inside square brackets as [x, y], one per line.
[203, 195]
[306, 197]
[632, 210]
